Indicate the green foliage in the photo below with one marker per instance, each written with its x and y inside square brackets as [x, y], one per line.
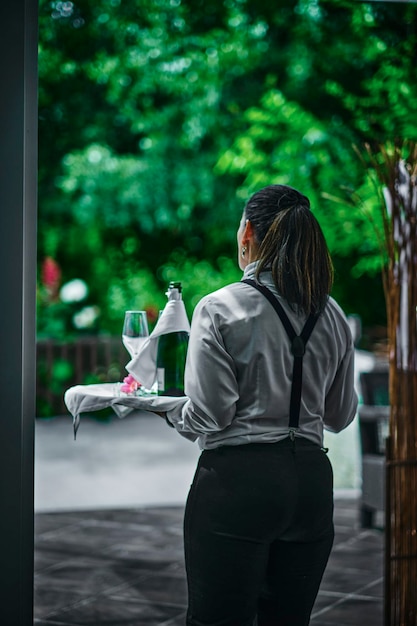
[120, 191]
[199, 277]
[157, 118]
[285, 144]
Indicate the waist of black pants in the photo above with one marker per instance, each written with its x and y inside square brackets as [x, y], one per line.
[296, 443]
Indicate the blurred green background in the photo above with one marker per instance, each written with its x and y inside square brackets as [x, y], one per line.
[157, 120]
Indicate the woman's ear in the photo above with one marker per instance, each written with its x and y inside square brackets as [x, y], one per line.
[248, 234]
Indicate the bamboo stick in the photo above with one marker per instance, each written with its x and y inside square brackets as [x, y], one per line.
[395, 168]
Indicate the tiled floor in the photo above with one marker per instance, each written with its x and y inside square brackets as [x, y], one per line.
[124, 567]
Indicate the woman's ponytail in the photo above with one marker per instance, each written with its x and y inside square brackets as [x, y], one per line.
[292, 246]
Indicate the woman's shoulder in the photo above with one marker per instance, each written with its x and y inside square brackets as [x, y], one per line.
[337, 320]
[334, 309]
[230, 290]
[224, 298]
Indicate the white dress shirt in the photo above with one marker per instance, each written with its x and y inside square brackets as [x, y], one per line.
[239, 370]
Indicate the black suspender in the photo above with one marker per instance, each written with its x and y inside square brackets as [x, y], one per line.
[298, 346]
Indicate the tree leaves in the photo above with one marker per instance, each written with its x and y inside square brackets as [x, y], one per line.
[159, 117]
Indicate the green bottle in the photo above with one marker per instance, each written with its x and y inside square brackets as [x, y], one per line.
[172, 348]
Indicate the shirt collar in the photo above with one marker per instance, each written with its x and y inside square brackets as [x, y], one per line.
[250, 270]
[267, 280]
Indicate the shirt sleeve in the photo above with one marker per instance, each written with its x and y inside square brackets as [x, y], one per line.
[341, 400]
[210, 378]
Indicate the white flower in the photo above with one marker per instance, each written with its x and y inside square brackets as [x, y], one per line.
[86, 317]
[74, 291]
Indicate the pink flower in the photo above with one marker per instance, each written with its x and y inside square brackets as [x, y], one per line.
[152, 313]
[130, 385]
[51, 273]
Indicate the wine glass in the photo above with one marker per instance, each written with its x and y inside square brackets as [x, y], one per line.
[135, 331]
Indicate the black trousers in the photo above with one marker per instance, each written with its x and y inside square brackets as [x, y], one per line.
[258, 531]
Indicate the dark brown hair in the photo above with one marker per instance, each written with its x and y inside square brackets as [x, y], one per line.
[292, 246]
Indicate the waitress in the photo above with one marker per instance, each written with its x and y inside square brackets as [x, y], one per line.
[269, 366]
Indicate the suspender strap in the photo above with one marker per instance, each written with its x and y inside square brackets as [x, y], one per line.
[298, 347]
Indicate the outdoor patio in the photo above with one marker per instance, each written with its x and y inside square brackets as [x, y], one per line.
[109, 531]
[125, 567]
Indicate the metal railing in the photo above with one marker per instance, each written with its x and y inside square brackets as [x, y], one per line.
[84, 360]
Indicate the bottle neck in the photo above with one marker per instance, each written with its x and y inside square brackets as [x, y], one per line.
[174, 294]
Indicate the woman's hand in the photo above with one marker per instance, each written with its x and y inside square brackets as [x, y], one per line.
[164, 416]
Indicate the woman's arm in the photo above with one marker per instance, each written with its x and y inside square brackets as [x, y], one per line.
[210, 377]
[342, 400]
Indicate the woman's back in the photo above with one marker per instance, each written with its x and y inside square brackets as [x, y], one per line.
[255, 393]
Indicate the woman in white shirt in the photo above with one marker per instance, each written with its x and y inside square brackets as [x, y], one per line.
[258, 525]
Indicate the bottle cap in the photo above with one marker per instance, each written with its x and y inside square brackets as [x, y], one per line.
[175, 285]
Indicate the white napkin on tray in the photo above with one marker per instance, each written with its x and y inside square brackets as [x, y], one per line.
[143, 365]
[89, 398]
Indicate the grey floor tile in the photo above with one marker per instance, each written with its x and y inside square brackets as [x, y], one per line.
[53, 522]
[350, 611]
[45, 559]
[346, 579]
[126, 567]
[47, 622]
[156, 589]
[48, 600]
[106, 611]
[176, 621]
[86, 576]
